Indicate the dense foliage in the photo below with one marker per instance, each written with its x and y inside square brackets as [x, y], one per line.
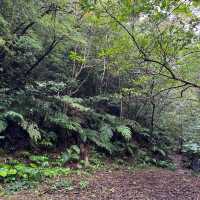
[120, 77]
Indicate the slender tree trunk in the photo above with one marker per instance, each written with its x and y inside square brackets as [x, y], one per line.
[152, 116]
[84, 153]
[153, 106]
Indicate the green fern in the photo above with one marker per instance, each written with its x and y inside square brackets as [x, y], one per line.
[125, 132]
[106, 135]
[65, 122]
[72, 154]
[101, 139]
[75, 103]
[159, 150]
[74, 126]
[33, 130]
[89, 135]
[14, 117]
[59, 119]
[133, 125]
[46, 143]
[49, 139]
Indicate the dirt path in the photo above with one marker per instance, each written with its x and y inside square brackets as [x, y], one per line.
[152, 184]
[177, 160]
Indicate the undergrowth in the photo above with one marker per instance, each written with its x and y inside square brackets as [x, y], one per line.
[16, 175]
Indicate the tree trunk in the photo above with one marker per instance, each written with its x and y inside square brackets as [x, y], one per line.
[84, 153]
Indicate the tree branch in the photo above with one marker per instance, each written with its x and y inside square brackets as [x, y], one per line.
[125, 28]
[42, 57]
[170, 88]
[147, 59]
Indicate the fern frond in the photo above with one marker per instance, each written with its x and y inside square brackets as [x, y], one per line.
[134, 125]
[14, 117]
[66, 123]
[106, 133]
[75, 103]
[74, 126]
[33, 130]
[125, 132]
[91, 135]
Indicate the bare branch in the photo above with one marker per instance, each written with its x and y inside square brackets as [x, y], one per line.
[170, 88]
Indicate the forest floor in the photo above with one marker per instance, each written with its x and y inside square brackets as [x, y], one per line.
[122, 184]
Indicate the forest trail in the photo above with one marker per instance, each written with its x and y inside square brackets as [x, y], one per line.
[177, 160]
[143, 184]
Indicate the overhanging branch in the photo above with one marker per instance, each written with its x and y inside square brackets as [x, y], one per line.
[148, 59]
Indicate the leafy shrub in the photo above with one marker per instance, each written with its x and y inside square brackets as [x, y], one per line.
[12, 117]
[191, 151]
[106, 135]
[191, 148]
[63, 121]
[21, 171]
[72, 154]
[50, 120]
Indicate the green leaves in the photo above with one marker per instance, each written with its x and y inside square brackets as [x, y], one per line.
[196, 3]
[39, 159]
[27, 43]
[2, 42]
[35, 171]
[159, 150]
[76, 57]
[191, 148]
[7, 170]
[4, 27]
[3, 172]
[103, 138]
[3, 125]
[14, 117]
[184, 9]
[106, 132]
[89, 135]
[71, 154]
[33, 130]
[61, 120]
[125, 132]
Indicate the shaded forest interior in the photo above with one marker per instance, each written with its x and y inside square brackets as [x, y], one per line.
[88, 83]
